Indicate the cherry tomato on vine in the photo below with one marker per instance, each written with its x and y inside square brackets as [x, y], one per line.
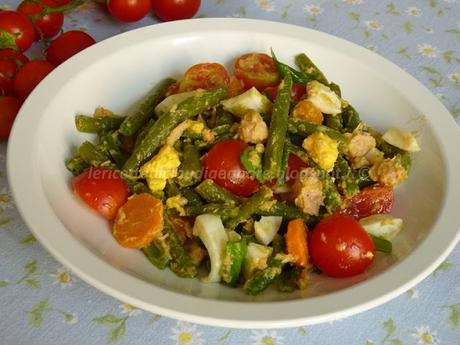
[129, 10]
[9, 107]
[8, 69]
[17, 31]
[258, 70]
[29, 76]
[222, 165]
[370, 200]
[67, 45]
[10, 54]
[204, 76]
[175, 9]
[102, 189]
[46, 26]
[340, 247]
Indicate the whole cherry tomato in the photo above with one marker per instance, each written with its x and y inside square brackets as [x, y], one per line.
[258, 70]
[29, 76]
[47, 25]
[370, 200]
[340, 247]
[9, 107]
[129, 10]
[103, 189]
[175, 9]
[17, 31]
[10, 54]
[8, 70]
[67, 45]
[204, 76]
[222, 165]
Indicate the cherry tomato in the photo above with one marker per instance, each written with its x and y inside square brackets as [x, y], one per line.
[297, 92]
[175, 9]
[10, 54]
[370, 200]
[129, 10]
[67, 45]
[222, 165]
[102, 189]
[256, 69]
[9, 107]
[8, 69]
[46, 26]
[29, 76]
[204, 76]
[340, 247]
[295, 165]
[235, 87]
[17, 30]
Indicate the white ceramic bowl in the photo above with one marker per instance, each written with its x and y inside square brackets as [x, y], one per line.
[117, 72]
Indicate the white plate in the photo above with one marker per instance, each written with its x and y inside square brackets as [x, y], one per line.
[117, 72]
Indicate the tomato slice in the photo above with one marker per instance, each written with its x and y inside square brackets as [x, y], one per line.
[340, 247]
[258, 70]
[222, 165]
[204, 76]
[370, 200]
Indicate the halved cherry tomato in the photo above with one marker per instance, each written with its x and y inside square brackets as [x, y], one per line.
[175, 9]
[258, 70]
[129, 10]
[9, 107]
[67, 45]
[340, 247]
[235, 87]
[295, 165]
[17, 30]
[46, 26]
[222, 165]
[204, 76]
[102, 189]
[29, 76]
[370, 200]
[298, 91]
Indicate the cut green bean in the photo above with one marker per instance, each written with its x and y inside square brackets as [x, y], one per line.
[92, 155]
[76, 165]
[288, 212]
[190, 171]
[211, 192]
[382, 245]
[166, 123]
[309, 68]
[144, 110]
[137, 187]
[334, 121]
[332, 198]
[193, 198]
[111, 145]
[143, 132]
[283, 69]
[157, 254]
[350, 118]
[232, 261]
[287, 281]
[336, 88]
[251, 160]
[224, 210]
[347, 182]
[181, 263]
[261, 200]
[278, 128]
[91, 124]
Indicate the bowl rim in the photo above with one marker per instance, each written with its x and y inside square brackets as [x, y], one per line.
[39, 217]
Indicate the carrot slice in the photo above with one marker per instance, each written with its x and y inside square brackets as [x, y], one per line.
[296, 242]
[139, 221]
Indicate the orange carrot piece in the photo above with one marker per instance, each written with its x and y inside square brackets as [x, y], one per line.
[139, 221]
[296, 242]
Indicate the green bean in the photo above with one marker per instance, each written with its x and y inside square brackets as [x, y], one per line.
[332, 198]
[333, 121]
[93, 155]
[157, 255]
[111, 145]
[306, 128]
[223, 117]
[91, 124]
[137, 187]
[144, 110]
[336, 88]
[382, 245]
[298, 151]
[193, 198]
[251, 160]
[171, 188]
[226, 211]
[76, 165]
[288, 212]
[344, 175]
[222, 129]
[284, 167]
[278, 244]
[288, 279]
[232, 261]
[190, 171]
[181, 263]
[283, 69]
[261, 200]
[211, 192]
[278, 129]
[143, 132]
[165, 124]
[260, 280]
[309, 68]
[350, 118]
